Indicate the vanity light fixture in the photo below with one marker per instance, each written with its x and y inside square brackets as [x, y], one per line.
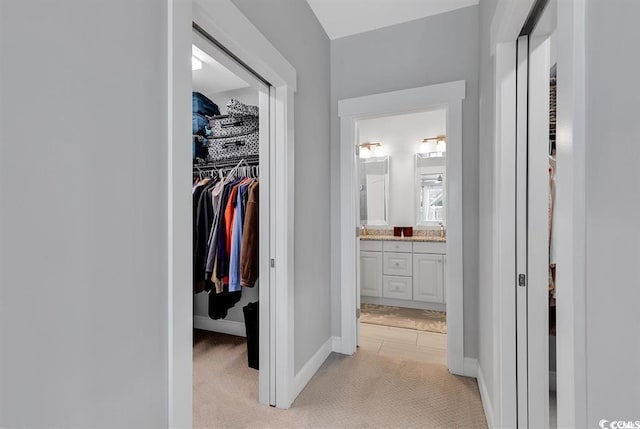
[367, 150]
[433, 146]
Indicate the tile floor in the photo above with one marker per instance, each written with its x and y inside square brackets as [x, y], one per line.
[407, 344]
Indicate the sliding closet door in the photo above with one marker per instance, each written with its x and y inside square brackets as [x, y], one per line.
[266, 313]
[538, 216]
[522, 353]
[533, 217]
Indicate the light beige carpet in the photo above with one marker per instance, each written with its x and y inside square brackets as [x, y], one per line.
[360, 391]
[409, 318]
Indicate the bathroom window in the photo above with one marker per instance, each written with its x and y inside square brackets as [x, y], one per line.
[431, 199]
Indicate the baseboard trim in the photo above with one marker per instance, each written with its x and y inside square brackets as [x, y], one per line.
[311, 367]
[338, 346]
[470, 367]
[486, 400]
[229, 327]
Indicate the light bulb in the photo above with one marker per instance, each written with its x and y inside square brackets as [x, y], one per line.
[379, 151]
[441, 146]
[427, 147]
[365, 152]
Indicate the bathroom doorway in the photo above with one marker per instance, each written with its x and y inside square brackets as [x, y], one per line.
[439, 261]
[402, 210]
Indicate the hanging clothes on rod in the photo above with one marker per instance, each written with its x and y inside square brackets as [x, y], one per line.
[225, 232]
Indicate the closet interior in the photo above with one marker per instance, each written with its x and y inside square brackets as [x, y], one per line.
[226, 203]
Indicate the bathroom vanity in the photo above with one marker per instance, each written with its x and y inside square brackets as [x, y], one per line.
[403, 271]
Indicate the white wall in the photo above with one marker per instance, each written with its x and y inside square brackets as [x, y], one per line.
[83, 224]
[291, 26]
[401, 136]
[488, 279]
[612, 211]
[432, 50]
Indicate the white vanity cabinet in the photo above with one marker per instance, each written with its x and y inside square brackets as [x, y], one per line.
[402, 273]
[370, 273]
[428, 277]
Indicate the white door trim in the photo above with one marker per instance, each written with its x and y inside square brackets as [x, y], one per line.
[448, 96]
[504, 327]
[226, 23]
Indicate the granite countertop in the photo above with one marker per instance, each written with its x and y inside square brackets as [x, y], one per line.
[423, 238]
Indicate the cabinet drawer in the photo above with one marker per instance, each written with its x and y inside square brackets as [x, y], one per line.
[397, 287]
[429, 247]
[397, 264]
[370, 246]
[397, 246]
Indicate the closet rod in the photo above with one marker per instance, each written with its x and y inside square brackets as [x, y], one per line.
[252, 160]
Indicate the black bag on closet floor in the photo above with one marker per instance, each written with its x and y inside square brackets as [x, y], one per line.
[220, 303]
[252, 327]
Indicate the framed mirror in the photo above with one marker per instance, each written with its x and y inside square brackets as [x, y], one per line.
[431, 196]
[374, 191]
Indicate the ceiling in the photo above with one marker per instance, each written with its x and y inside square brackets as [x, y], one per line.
[342, 18]
[213, 77]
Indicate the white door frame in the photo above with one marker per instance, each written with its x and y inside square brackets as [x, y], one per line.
[226, 23]
[448, 96]
[570, 191]
[504, 249]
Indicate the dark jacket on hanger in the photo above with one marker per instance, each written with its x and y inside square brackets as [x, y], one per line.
[204, 218]
[249, 267]
[222, 256]
[198, 278]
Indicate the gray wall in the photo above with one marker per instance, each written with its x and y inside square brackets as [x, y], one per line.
[432, 50]
[487, 289]
[83, 225]
[293, 29]
[613, 208]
